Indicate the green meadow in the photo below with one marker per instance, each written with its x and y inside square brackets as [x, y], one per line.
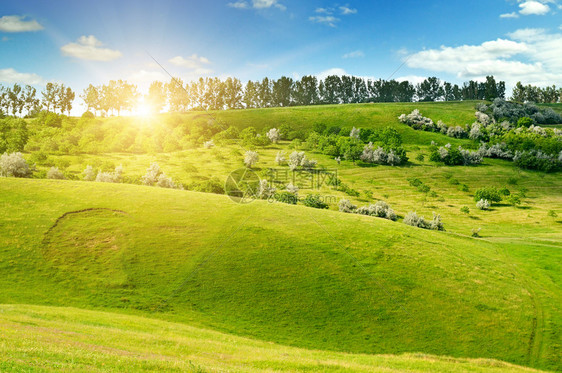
[134, 277]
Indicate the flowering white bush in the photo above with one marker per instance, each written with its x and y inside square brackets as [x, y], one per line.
[538, 130]
[380, 209]
[470, 158]
[14, 165]
[208, 144]
[298, 159]
[89, 174]
[442, 127]
[457, 132]
[165, 181]
[274, 135]
[110, 177]
[152, 173]
[495, 151]
[413, 219]
[251, 158]
[483, 204]
[379, 155]
[417, 121]
[54, 173]
[354, 134]
[346, 206]
[482, 118]
[475, 131]
[265, 191]
[280, 158]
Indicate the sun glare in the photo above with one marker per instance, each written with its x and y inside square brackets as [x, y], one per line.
[142, 109]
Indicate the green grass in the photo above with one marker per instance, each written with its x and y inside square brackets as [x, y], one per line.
[47, 339]
[295, 276]
[288, 274]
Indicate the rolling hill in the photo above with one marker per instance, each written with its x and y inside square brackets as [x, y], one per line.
[287, 274]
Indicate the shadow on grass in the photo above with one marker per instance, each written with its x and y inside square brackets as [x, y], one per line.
[474, 217]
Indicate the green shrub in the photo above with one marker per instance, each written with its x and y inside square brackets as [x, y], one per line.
[315, 201]
[465, 210]
[491, 194]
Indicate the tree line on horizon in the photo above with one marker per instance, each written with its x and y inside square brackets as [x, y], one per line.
[231, 93]
[216, 94]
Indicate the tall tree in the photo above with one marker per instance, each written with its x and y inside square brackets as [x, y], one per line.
[16, 100]
[233, 93]
[49, 96]
[491, 91]
[333, 85]
[430, 90]
[91, 97]
[264, 93]
[69, 96]
[283, 92]
[156, 98]
[250, 98]
[31, 102]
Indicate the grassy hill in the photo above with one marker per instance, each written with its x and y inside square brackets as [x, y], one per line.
[287, 274]
[37, 338]
[346, 284]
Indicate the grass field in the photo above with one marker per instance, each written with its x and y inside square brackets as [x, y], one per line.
[291, 275]
[44, 339]
[331, 281]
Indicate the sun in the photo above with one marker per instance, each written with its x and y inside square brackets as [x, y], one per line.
[142, 109]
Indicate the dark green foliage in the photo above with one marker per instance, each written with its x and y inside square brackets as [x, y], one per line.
[315, 201]
[491, 194]
[213, 185]
[13, 135]
[504, 191]
[415, 182]
[525, 122]
[537, 160]
[465, 210]
[514, 200]
[286, 197]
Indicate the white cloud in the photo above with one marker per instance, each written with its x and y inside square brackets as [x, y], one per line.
[345, 10]
[257, 4]
[509, 15]
[193, 62]
[532, 56]
[18, 24]
[333, 71]
[327, 20]
[239, 5]
[147, 76]
[532, 7]
[414, 79]
[354, 54]
[90, 48]
[323, 10]
[12, 76]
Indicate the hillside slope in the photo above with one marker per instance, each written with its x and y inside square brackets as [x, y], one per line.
[37, 338]
[288, 274]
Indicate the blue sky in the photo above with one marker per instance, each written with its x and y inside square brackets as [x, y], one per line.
[82, 42]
